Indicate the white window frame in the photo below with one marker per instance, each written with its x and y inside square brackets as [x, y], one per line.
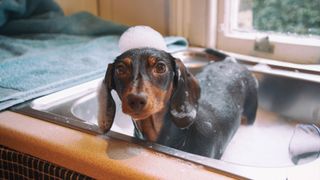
[207, 23]
[291, 49]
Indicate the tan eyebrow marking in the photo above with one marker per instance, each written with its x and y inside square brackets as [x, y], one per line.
[152, 61]
[127, 61]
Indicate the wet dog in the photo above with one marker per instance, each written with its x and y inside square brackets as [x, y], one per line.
[172, 107]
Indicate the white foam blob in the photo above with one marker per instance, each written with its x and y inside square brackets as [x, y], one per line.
[140, 37]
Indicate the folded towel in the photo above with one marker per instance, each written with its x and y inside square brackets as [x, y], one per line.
[35, 67]
[176, 43]
[32, 66]
[45, 16]
[42, 51]
[82, 23]
[24, 9]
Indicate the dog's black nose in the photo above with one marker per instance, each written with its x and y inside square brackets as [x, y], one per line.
[137, 101]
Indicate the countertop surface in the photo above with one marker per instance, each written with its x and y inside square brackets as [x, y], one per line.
[97, 156]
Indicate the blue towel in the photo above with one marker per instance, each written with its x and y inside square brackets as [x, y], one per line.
[45, 63]
[176, 43]
[28, 17]
[42, 51]
[24, 9]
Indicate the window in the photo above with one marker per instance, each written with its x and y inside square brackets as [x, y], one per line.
[288, 17]
[289, 28]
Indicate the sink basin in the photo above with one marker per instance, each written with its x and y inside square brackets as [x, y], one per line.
[288, 96]
[86, 109]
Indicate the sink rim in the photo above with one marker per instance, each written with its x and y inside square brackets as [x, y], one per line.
[227, 168]
[33, 109]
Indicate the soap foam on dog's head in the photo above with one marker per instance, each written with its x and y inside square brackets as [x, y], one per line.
[140, 37]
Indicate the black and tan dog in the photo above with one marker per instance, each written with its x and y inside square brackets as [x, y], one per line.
[167, 106]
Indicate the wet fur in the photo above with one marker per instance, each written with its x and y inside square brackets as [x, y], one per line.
[228, 93]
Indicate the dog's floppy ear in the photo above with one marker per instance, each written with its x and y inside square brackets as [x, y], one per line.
[106, 103]
[184, 101]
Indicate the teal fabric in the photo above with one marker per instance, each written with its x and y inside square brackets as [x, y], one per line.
[24, 9]
[45, 16]
[176, 43]
[32, 67]
[39, 56]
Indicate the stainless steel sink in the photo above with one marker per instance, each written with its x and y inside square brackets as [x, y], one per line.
[288, 95]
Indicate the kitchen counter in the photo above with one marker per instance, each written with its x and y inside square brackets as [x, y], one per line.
[97, 156]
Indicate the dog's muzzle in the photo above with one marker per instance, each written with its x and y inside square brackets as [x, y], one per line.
[137, 101]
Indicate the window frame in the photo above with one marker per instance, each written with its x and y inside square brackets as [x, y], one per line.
[205, 23]
[286, 48]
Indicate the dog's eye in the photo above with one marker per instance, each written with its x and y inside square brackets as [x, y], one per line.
[121, 69]
[160, 67]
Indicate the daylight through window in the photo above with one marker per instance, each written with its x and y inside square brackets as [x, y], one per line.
[289, 17]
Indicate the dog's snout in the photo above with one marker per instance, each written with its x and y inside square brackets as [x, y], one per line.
[137, 101]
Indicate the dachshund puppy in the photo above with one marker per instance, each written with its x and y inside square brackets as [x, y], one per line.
[167, 106]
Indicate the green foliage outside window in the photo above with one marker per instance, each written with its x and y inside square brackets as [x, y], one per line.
[287, 16]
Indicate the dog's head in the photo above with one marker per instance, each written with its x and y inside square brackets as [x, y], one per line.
[148, 81]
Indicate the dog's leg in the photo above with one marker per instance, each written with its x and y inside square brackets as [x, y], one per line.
[251, 100]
